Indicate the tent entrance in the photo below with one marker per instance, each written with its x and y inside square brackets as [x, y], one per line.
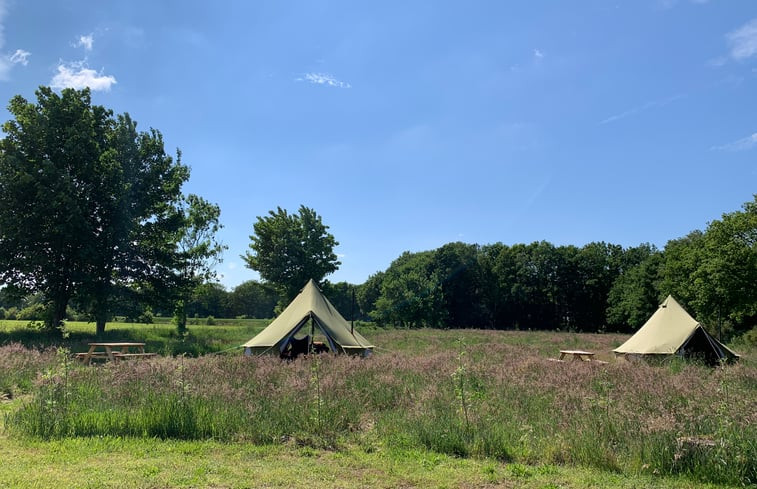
[700, 347]
[315, 340]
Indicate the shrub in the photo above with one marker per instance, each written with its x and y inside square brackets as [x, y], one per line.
[34, 312]
[11, 313]
[750, 337]
[146, 317]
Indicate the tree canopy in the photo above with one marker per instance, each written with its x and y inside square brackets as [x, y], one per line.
[90, 208]
[290, 249]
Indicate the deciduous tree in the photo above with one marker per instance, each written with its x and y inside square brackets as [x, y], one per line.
[290, 249]
[90, 208]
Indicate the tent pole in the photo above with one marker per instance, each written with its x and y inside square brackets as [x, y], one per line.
[720, 326]
[352, 313]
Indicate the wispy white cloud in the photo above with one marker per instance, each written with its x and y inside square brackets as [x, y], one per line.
[742, 144]
[20, 57]
[324, 79]
[743, 41]
[86, 42]
[538, 54]
[77, 75]
[642, 108]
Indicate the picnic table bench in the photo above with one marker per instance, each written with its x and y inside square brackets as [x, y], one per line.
[585, 356]
[113, 351]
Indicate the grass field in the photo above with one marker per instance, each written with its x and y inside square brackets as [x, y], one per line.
[431, 408]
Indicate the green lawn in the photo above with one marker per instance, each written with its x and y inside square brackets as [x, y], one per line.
[159, 337]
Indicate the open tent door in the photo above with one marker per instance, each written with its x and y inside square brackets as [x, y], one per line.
[309, 305]
[672, 331]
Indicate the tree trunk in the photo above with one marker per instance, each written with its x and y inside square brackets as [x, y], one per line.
[58, 313]
[100, 308]
[100, 326]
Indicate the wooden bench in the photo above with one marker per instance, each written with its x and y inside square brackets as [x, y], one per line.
[119, 356]
[113, 352]
[585, 356]
[93, 355]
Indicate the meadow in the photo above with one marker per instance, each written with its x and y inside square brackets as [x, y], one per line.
[442, 408]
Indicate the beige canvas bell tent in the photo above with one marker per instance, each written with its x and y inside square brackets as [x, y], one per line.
[313, 308]
[672, 331]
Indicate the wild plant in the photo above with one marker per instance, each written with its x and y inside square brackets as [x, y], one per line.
[316, 403]
[20, 366]
[48, 417]
[459, 377]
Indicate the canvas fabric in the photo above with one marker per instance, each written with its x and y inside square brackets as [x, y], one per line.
[667, 331]
[310, 303]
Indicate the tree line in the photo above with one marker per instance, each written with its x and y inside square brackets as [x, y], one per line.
[593, 288]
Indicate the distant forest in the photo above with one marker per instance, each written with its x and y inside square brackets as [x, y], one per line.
[594, 288]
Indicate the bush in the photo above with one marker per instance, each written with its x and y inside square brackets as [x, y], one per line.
[35, 312]
[11, 313]
[750, 337]
[146, 317]
[74, 315]
[211, 321]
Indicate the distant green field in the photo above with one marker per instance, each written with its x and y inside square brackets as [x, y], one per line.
[438, 408]
[159, 337]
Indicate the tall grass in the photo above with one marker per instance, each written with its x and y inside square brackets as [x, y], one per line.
[19, 367]
[497, 396]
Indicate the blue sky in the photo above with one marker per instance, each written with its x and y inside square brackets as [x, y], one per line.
[410, 124]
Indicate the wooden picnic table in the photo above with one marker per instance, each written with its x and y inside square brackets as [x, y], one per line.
[112, 351]
[585, 356]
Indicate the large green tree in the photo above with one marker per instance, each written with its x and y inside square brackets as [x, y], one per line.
[714, 272]
[457, 270]
[47, 159]
[287, 250]
[724, 282]
[136, 222]
[90, 208]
